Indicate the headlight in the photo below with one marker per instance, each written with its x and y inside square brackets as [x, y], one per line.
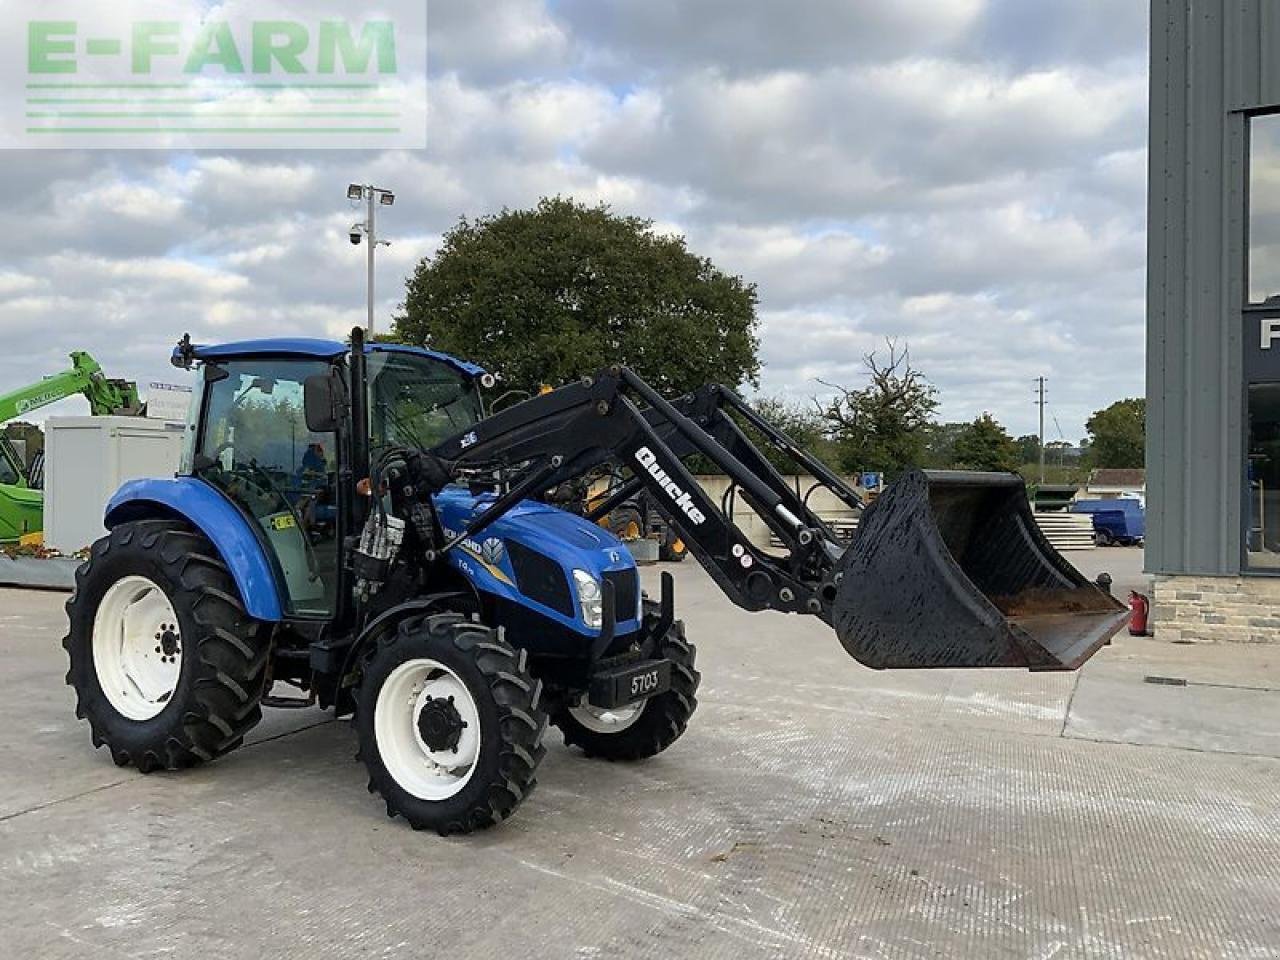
[590, 600]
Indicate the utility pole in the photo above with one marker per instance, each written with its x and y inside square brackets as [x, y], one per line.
[1040, 381]
[373, 246]
[369, 230]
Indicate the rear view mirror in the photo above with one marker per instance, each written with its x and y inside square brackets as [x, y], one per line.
[323, 401]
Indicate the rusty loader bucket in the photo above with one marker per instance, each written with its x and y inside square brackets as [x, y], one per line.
[949, 569]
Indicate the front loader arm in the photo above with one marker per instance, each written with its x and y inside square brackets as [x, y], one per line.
[559, 436]
[710, 407]
[945, 570]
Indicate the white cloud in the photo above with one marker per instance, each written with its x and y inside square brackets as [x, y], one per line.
[965, 175]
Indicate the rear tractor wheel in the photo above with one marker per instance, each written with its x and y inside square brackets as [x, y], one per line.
[167, 667]
[449, 726]
[647, 727]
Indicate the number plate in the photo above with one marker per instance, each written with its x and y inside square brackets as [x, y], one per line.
[637, 681]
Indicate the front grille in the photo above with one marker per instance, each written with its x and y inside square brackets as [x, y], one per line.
[626, 592]
[541, 579]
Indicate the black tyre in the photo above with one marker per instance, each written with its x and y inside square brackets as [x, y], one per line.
[626, 523]
[167, 667]
[648, 727]
[449, 725]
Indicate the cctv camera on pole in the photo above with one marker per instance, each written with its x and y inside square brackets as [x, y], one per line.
[359, 231]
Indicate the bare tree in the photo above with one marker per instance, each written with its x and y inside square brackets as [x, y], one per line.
[881, 426]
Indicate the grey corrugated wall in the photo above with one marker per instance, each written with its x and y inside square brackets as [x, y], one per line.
[1209, 60]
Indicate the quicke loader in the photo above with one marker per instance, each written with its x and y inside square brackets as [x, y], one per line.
[348, 522]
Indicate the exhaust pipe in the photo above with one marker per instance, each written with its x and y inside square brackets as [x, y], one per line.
[949, 569]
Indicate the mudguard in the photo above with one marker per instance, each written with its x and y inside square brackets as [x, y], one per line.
[215, 517]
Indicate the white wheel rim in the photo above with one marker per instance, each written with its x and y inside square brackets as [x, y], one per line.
[426, 773]
[600, 720]
[137, 648]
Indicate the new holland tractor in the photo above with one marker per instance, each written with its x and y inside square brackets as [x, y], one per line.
[348, 521]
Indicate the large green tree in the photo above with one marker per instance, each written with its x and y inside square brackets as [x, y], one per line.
[1117, 434]
[544, 296]
[985, 445]
[884, 425]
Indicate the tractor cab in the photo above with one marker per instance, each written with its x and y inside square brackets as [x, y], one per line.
[294, 476]
[249, 440]
[20, 503]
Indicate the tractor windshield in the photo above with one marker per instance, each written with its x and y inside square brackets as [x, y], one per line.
[417, 401]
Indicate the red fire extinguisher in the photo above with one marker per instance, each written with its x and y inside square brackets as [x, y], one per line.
[1139, 611]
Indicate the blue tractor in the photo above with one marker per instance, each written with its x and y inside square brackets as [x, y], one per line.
[348, 521]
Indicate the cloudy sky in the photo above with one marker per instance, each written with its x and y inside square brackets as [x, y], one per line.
[965, 175]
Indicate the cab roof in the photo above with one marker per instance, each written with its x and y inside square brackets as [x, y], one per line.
[315, 349]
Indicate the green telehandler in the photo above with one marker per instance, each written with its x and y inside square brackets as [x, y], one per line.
[21, 499]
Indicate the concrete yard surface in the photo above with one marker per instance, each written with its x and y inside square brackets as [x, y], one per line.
[815, 808]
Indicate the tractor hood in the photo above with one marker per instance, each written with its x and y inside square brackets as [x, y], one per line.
[528, 556]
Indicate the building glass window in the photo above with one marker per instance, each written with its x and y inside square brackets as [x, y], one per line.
[1264, 210]
[1262, 538]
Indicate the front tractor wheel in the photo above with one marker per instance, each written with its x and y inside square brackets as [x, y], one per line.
[647, 727]
[167, 667]
[449, 726]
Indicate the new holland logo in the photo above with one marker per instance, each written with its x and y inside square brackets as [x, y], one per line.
[681, 497]
[492, 550]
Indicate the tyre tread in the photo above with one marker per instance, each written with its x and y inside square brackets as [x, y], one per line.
[521, 725]
[666, 715]
[230, 648]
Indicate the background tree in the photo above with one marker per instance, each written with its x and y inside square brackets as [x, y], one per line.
[884, 425]
[1117, 435]
[550, 294]
[1029, 448]
[940, 445]
[985, 445]
[802, 424]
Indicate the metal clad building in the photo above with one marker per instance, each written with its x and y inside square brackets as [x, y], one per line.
[1212, 279]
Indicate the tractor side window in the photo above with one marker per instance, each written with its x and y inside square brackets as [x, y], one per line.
[417, 401]
[255, 447]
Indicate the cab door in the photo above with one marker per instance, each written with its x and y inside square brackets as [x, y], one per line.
[254, 446]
